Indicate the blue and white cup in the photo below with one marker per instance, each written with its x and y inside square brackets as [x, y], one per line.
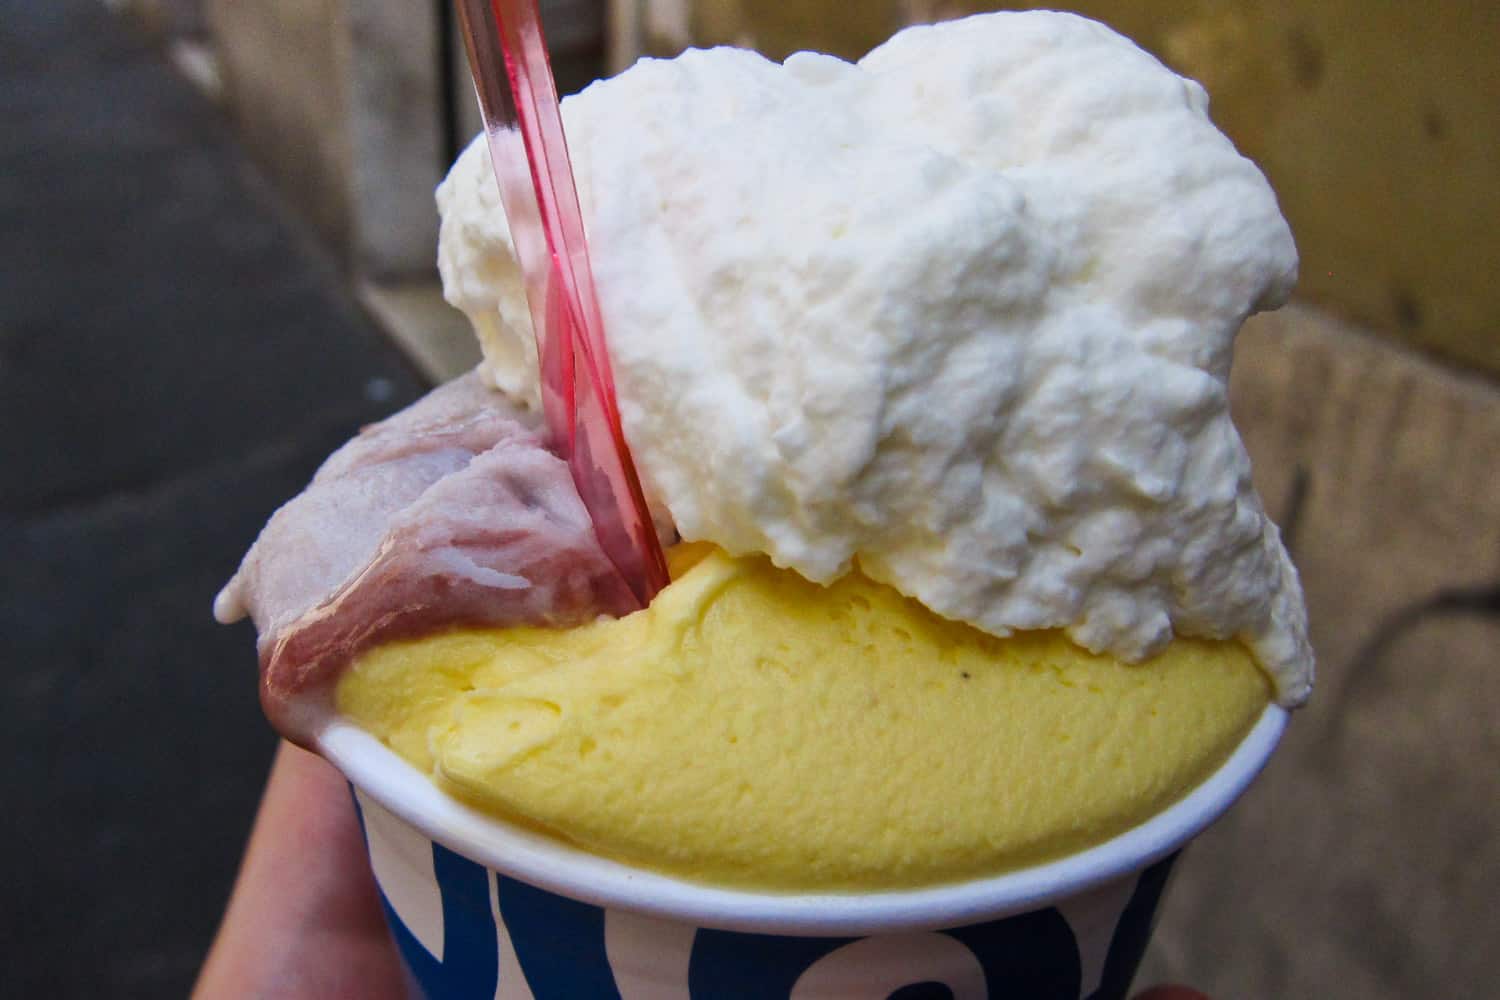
[483, 908]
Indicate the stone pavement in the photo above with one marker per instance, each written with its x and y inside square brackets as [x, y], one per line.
[175, 359]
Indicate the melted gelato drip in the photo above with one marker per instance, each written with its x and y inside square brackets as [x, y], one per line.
[452, 512]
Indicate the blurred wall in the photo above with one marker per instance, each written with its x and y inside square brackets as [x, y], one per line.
[170, 17]
[356, 107]
[1377, 123]
[341, 101]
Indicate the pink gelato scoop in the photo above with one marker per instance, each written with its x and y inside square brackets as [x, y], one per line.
[452, 512]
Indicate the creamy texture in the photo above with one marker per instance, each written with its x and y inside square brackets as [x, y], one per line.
[753, 728]
[960, 314]
[452, 512]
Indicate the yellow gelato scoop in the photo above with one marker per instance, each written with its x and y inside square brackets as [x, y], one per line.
[751, 728]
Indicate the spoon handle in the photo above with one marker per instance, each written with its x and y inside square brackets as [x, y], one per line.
[529, 152]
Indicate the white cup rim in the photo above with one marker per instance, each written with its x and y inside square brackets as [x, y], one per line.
[557, 867]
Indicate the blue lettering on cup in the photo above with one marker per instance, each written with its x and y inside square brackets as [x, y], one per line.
[560, 946]
[752, 966]
[470, 965]
[1033, 955]
[1133, 931]
[559, 943]
[1030, 955]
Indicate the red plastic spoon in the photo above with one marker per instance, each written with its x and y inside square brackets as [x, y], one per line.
[522, 123]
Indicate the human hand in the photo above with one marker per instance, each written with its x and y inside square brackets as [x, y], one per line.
[304, 919]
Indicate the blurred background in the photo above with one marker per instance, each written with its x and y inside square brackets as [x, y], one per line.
[217, 243]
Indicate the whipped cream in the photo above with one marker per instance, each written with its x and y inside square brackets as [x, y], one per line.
[962, 311]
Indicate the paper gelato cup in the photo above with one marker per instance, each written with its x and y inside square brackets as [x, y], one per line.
[483, 908]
